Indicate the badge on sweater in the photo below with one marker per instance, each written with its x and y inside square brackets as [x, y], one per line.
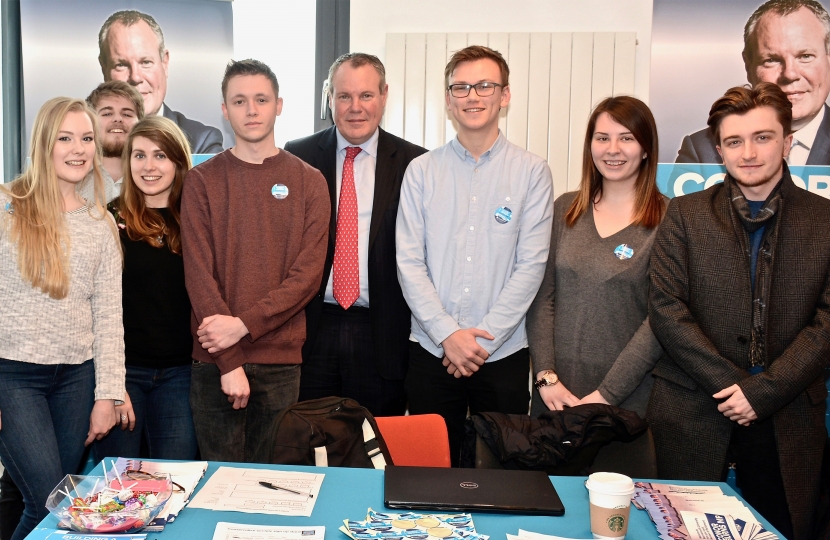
[279, 191]
[503, 215]
[623, 252]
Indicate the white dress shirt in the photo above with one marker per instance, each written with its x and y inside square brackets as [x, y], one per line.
[803, 140]
[112, 187]
[364, 185]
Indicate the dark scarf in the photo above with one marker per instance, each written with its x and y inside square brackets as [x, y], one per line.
[744, 223]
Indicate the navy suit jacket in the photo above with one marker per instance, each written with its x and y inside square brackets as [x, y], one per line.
[389, 312]
[203, 139]
[699, 147]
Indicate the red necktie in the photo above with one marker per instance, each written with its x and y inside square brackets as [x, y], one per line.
[346, 285]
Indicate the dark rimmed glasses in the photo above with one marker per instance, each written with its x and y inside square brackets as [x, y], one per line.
[483, 89]
[141, 475]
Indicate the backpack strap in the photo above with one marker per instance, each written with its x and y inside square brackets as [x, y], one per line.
[370, 443]
[372, 446]
[321, 457]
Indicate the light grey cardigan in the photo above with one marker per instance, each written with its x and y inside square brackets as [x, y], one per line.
[87, 324]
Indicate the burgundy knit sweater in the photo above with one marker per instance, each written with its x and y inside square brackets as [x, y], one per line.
[254, 244]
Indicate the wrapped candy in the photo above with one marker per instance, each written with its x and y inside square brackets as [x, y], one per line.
[83, 507]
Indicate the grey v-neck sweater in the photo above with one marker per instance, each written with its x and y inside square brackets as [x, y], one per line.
[589, 319]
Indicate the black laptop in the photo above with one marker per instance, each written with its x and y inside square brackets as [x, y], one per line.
[479, 490]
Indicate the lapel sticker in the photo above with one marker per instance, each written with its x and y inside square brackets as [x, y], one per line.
[279, 191]
[623, 252]
[503, 215]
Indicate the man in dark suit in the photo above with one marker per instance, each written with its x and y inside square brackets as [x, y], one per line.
[740, 301]
[131, 49]
[203, 139]
[358, 325]
[786, 43]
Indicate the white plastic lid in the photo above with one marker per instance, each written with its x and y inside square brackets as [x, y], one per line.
[610, 483]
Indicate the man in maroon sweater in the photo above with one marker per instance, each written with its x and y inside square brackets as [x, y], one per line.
[254, 224]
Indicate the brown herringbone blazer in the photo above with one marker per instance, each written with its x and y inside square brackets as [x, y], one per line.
[700, 311]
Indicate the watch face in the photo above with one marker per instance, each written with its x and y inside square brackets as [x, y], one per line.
[548, 379]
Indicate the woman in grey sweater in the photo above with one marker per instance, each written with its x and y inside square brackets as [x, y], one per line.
[60, 284]
[590, 341]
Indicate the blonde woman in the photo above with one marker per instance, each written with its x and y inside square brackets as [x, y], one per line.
[60, 268]
[157, 310]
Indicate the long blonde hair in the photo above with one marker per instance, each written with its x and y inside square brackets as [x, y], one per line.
[141, 222]
[38, 226]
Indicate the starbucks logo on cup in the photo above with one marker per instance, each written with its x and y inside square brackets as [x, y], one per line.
[468, 485]
[616, 522]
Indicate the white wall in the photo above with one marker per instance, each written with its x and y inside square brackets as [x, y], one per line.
[2, 176]
[371, 20]
[281, 34]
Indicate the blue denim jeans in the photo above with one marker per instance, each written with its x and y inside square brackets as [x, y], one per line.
[161, 402]
[241, 435]
[44, 424]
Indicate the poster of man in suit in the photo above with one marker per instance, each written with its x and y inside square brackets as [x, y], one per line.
[735, 43]
[173, 53]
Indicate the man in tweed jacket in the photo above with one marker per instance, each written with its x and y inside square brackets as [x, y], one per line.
[740, 301]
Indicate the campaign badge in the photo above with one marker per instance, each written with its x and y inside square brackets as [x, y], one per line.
[279, 191]
[623, 252]
[503, 215]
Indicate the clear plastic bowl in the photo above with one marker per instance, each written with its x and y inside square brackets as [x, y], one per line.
[103, 519]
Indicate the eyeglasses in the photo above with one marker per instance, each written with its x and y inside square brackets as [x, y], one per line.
[141, 475]
[483, 89]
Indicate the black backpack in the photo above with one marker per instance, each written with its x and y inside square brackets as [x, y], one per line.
[330, 431]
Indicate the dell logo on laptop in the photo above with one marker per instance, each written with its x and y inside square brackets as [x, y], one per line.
[468, 485]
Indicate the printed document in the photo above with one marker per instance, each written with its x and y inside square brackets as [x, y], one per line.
[232, 489]
[239, 531]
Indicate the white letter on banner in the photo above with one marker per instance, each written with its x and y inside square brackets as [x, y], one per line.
[799, 182]
[714, 179]
[682, 179]
[820, 185]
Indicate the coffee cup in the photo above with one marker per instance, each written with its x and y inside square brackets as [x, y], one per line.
[610, 503]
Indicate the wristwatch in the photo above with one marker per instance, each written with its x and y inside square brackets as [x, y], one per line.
[548, 378]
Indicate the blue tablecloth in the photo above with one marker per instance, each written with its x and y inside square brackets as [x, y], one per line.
[347, 493]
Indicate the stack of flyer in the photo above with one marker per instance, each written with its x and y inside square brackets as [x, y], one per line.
[527, 535]
[383, 525]
[697, 513]
[184, 474]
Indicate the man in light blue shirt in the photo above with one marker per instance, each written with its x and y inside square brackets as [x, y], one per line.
[472, 238]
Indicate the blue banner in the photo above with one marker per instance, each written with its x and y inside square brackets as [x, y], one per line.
[675, 179]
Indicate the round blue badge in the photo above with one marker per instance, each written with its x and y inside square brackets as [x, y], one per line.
[279, 191]
[503, 215]
[623, 252]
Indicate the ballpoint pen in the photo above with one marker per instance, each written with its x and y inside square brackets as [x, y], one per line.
[276, 487]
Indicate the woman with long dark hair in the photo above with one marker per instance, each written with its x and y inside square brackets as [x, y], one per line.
[158, 342]
[59, 281]
[588, 332]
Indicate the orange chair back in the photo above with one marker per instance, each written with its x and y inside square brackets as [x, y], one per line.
[416, 441]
